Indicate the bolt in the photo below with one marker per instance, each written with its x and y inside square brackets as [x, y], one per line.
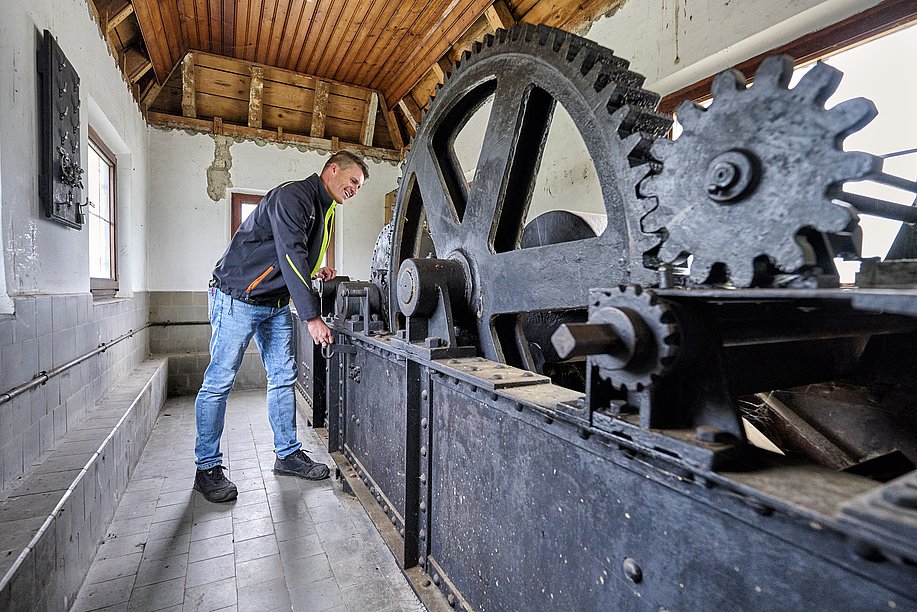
[632, 570]
[423, 534]
[436, 579]
[423, 422]
[451, 599]
[401, 531]
[423, 506]
[423, 479]
[423, 451]
[424, 394]
[421, 561]
[722, 177]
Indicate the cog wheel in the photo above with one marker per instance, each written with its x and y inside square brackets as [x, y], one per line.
[526, 71]
[756, 167]
[647, 332]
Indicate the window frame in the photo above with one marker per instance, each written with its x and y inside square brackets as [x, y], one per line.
[107, 287]
[237, 200]
[883, 18]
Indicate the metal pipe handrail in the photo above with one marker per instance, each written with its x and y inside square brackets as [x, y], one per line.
[46, 375]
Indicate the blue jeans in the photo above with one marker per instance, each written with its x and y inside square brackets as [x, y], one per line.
[233, 324]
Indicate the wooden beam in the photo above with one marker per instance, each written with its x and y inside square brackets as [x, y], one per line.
[115, 19]
[254, 97]
[150, 93]
[317, 130]
[499, 16]
[412, 122]
[188, 101]
[393, 130]
[369, 120]
[141, 70]
[229, 129]
[438, 72]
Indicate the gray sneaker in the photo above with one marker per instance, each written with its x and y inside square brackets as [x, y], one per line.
[214, 486]
[299, 464]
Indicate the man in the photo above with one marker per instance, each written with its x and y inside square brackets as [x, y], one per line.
[270, 259]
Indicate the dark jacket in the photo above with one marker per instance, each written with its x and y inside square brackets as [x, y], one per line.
[271, 256]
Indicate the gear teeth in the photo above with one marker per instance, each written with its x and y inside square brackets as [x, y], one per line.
[689, 113]
[851, 115]
[662, 149]
[631, 143]
[775, 71]
[818, 84]
[544, 34]
[728, 83]
[489, 39]
[856, 165]
[559, 39]
[619, 116]
[466, 55]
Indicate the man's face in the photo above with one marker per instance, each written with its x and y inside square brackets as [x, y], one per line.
[342, 183]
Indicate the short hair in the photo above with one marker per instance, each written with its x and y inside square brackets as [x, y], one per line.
[346, 159]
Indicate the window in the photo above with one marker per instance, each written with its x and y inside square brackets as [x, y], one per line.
[100, 217]
[242, 206]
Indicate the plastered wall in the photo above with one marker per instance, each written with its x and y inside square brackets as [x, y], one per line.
[40, 256]
[189, 231]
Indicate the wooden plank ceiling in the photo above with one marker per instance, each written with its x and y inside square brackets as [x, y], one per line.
[322, 73]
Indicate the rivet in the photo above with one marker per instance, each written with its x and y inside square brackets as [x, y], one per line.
[423, 451]
[423, 479]
[423, 506]
[423, 422]
[632, 570]
[423, 534]
[422, 561]
[436, 579]
[424, 394]
[401, 531]
[451, 599]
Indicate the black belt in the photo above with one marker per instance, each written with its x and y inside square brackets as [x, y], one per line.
[279, 303]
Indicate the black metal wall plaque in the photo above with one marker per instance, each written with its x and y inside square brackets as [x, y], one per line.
[60, 183]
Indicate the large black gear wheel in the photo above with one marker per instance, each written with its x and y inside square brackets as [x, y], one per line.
[527, 70]
[754, 169]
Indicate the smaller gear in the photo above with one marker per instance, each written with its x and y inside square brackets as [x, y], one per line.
[756, 168]
[646, 331]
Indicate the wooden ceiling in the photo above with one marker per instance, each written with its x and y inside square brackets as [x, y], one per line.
[394, 53]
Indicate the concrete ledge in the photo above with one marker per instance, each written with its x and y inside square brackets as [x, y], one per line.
[52, 519]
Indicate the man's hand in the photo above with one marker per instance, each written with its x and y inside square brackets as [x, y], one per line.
[326, 274]
[320, 332]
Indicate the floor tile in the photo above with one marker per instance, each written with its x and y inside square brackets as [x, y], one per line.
[256, 571]
[264, 596]
[212, 596]
[256, 548]
[210, 570]
[152, 571]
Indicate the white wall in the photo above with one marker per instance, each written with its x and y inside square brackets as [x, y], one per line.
[189, 231]
[41, 256]
[675, 43]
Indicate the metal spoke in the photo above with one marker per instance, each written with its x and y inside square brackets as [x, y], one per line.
[508, 164]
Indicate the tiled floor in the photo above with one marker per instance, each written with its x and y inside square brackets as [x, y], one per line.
[284, 544]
